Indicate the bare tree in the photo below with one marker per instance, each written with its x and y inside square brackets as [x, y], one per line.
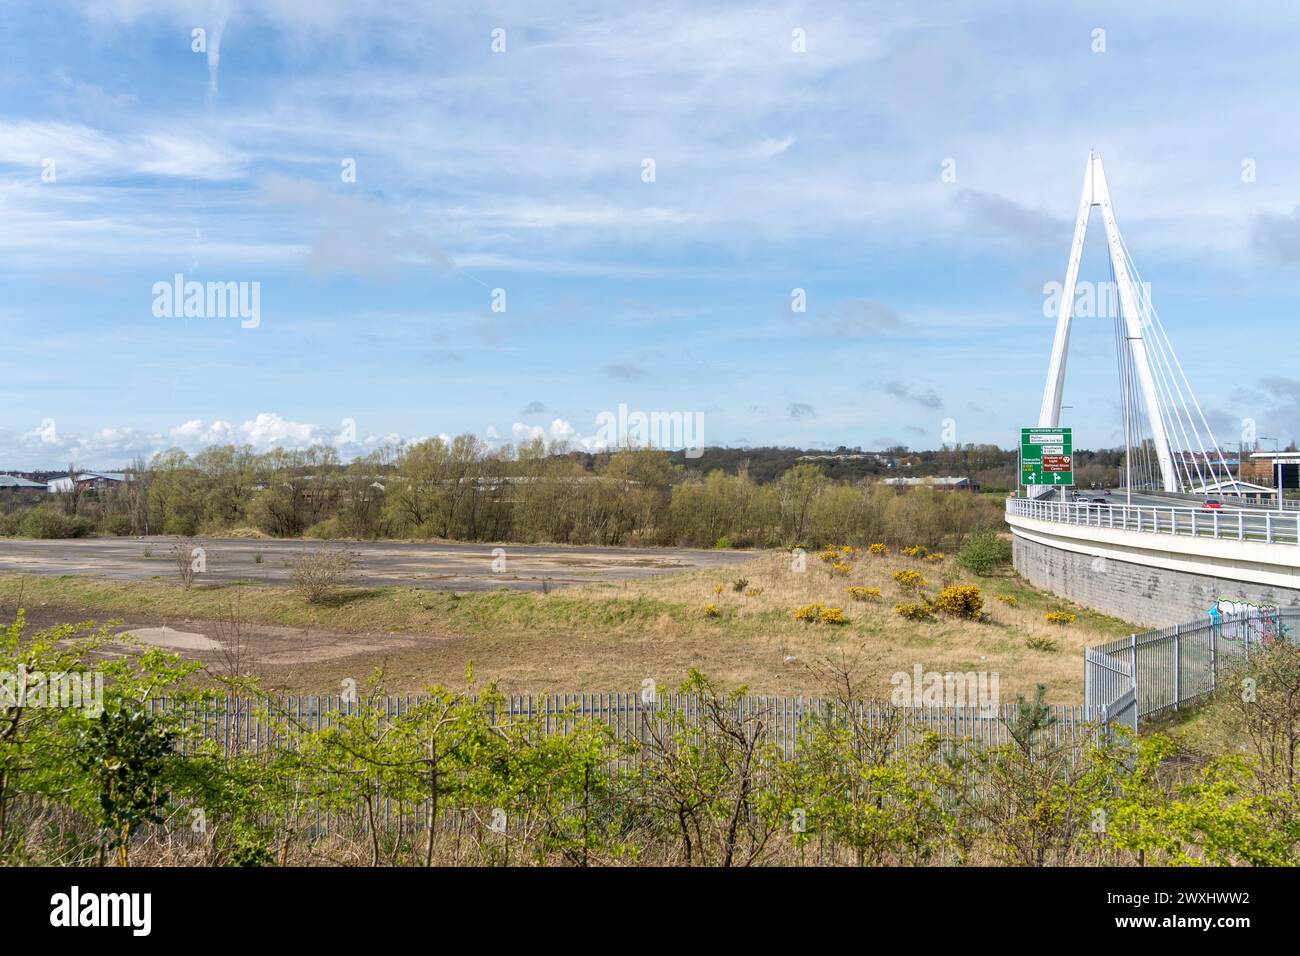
[316, 574]
[70, 497]
[237, 664]
[185, 558]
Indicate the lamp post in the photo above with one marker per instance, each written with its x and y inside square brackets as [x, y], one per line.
[1277, 469]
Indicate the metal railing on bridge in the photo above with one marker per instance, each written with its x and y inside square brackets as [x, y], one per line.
[1144, 675]
[1236, 524]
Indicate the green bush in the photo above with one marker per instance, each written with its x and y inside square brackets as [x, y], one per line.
[119, 525]
[326, 530]
[49, 521]
[985, 552]
[45, 521]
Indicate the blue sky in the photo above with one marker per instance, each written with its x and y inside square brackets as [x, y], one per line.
[523, 170]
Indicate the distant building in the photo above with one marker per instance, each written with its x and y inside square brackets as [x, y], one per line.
[85, 481]
[14, 481]
[1235, 486]
[938, 482]
[1264, 467]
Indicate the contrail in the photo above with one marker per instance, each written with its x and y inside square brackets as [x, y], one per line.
[214, 48]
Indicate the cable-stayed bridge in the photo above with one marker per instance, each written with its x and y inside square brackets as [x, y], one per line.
[1170, 444]
[1179, 537]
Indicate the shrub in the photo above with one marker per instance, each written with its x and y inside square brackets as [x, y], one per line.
[935, 557]
[184, 558]
[753, 592]
[711, 610]
[119, 525]
[1010, 600]
[739, 585]
[831, 553]
[920, 611]
[1041, 644]
[910, 580]
[722, 543]
[315, 574]
[848, 551]
[48, 521]
[985, 552]
[878, 549]
[818, 612]
[839, 567]
[916, 551]
[864, 594]
[325, 530]
[1061, 617]
[961, 600]
[809, 613]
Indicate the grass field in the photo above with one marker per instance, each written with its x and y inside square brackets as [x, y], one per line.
[608, 637]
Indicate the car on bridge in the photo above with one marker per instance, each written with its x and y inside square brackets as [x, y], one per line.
[1212, 504]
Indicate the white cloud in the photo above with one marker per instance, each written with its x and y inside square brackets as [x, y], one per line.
[81, 152]
[560, 430]
[45, 446]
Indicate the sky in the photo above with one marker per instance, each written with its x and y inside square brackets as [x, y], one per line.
[511, 218]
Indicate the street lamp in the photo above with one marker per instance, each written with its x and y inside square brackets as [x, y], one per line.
[1277, 469]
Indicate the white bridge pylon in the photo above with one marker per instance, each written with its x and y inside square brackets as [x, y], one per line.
[1146, 359]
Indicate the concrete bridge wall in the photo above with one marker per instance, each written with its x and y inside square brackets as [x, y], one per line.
[1150, 579]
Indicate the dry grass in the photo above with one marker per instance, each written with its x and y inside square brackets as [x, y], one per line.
[608, 637]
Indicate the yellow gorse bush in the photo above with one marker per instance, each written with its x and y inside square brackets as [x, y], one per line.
[910, 580]
[878, 549]
[915, 551]
[818, 612]
[1061, 617]
[1010, 600]
[711, 610]
[915, 612]
[864, 594]
[839, 567]
[809, 613]
[961, 600]
[833, 615]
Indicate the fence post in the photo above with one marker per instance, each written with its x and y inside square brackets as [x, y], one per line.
[1178, 665]
[1087, 682]
[1133, 669]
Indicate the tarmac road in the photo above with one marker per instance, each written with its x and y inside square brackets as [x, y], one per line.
[439, 566]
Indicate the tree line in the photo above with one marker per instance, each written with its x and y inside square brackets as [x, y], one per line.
[461, 489]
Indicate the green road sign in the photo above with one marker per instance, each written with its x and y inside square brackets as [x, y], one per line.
[1046, 456]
